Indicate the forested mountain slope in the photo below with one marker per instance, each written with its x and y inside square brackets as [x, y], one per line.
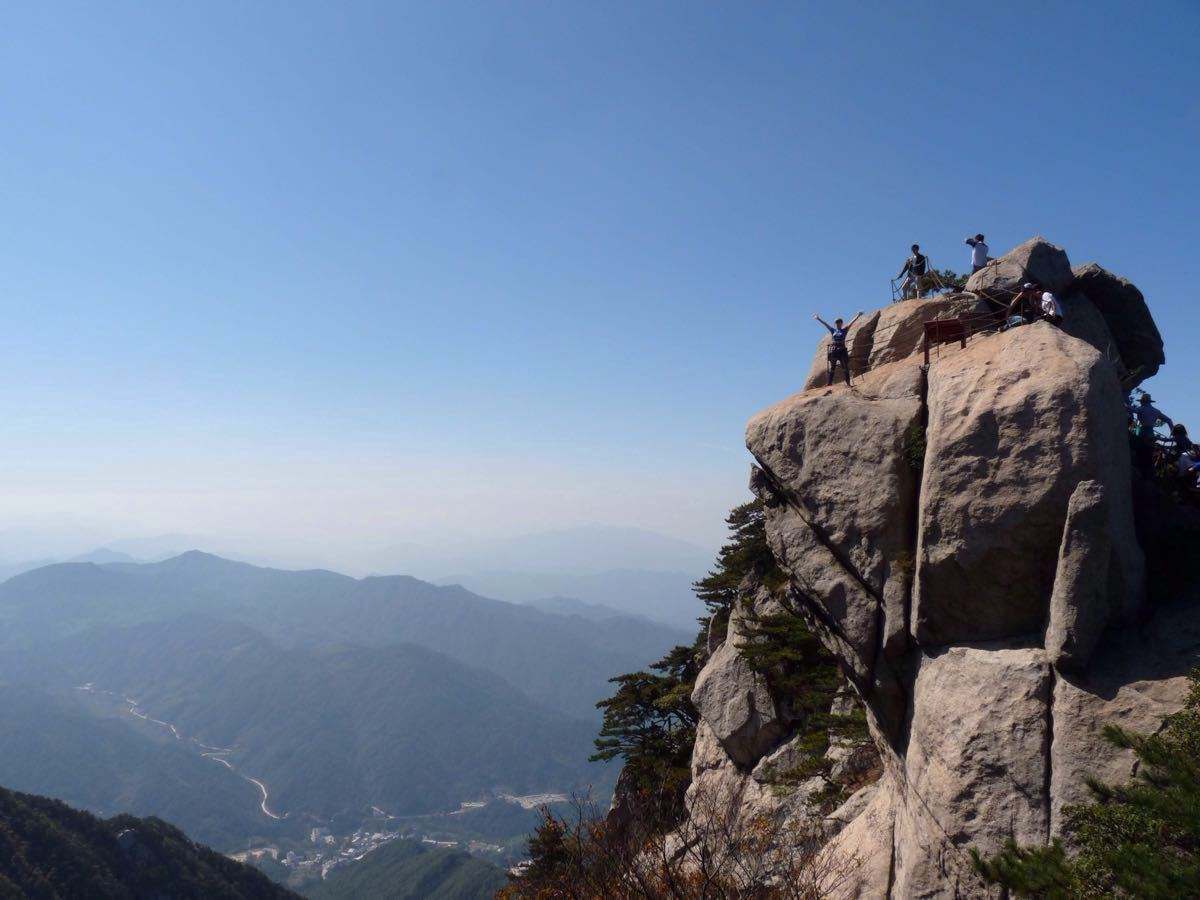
[404, 870]
[335, 729]
[51, 745]
[49, 850]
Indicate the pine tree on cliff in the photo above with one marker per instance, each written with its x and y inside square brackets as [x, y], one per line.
[650, 722]
[650, 725]
[745, 554]
[1138, 840]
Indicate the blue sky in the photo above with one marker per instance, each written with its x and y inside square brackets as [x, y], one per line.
[346, 274]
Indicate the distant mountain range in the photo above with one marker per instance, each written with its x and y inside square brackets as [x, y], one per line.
[102, 556]
[562, 661]
[588, 549]
[663, 597]
[342, 697]
[636, 571]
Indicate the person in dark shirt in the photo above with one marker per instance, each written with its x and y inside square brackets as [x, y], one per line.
[1147, 415]
[1180, 442]
[838, 352]
[912, 273]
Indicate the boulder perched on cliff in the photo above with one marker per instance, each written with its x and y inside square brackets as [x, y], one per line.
[1082, 320]
[1035, 260]
[737, 707]
[1016, 422]
[976, 768]
[1128, 318]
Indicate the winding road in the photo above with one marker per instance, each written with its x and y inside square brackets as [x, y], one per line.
[207, 751]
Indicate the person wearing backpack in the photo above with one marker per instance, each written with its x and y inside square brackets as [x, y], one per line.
[912, 273]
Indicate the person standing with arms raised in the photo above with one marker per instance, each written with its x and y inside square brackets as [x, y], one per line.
[838, 353]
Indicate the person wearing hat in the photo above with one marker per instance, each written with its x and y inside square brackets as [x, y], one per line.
[914, 268]
[979, 252]
[1146, 417]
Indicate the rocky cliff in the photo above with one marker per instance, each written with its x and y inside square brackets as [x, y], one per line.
[964, 538]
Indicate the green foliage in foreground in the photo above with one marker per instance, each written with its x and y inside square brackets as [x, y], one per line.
[649, 722]
[803, 678]
[746, 553]
[49, 850]
[1141, 839]
[404, 869]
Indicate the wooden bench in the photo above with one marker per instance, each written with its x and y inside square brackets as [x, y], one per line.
[944, 331]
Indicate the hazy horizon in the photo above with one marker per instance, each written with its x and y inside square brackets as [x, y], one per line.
[581, 550]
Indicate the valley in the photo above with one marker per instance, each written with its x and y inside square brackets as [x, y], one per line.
[377, 827]
[256, 707]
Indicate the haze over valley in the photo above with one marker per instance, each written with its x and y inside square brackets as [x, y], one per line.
[251, 705]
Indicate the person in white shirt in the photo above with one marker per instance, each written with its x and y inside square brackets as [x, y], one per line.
[1188, 467]
[1051, 309]
[979, 252]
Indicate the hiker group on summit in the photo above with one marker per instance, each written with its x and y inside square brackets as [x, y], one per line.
[916, 268]
[1031, 302]
[1174, 459]
[1009, 297]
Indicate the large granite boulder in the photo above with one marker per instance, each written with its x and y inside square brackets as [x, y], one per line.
[841, 473]
[736, 705]
[1082, 320]
[1135, 678]
[716, 778]
[963, 540]
[857, 863]
[1035, 260]
[1128, 318]
[977, 767]
[1015, 422]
